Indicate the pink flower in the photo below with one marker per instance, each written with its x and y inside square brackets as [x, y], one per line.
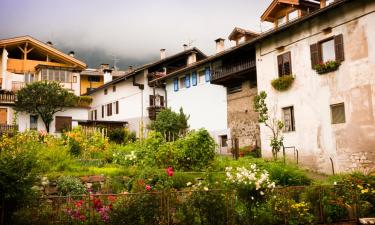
[169, 171]
[148, 187]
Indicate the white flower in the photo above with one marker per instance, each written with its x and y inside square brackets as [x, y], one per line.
[252, 198]
[188, 184]
[335, 183]
[261, 193]
[205, 188]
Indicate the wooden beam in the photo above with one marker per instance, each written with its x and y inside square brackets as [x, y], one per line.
[30, 50]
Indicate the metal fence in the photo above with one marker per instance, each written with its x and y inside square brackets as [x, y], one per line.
[291, 205]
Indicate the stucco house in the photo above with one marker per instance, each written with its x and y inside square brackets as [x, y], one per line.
[131, 99]
[25, 60]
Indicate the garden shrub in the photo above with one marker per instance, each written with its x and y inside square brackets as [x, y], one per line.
[195, 151]
[124, 155]
[122, 136]
[139, 209]
[286, 174]
[68, 185]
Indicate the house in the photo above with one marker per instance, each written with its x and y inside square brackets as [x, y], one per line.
[25, 60]
[205, 103]
[131, 99]
[94, 78]
[328, 116]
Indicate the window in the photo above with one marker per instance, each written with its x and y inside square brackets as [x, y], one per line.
[117, 107]
[194, 78]
[109, 109]
[187, 80]
[33, 122]
[207, 74]
[105, 91]
[58, 75]
[224, 140]
[74, 79]
[182, 82]
[93, 78]
[284, 63]
[288, 116]
[63, 123]
[175, 84]
[234, 88]
[95, 114]
[326, 50]
[102, 111]
[338, 113]
[157, 100]
[202, 76]
[114, 88]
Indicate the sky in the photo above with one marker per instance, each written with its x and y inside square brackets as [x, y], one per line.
[133, 31]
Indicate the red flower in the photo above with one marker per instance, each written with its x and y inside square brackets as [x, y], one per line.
[111, 198]
[148, 187]
[169, 171]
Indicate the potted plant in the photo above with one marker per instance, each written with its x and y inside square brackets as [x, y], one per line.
[326, 67]
[283, 83]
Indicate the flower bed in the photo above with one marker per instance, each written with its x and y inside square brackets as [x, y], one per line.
[327, 67]
[283, 83]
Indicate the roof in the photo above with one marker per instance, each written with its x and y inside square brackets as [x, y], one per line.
[98, 72]
[44, 46]
[146, 66]
[257, 39]
[238, 30]
[277, 5]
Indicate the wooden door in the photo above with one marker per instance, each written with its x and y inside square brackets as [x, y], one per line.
[3, 115]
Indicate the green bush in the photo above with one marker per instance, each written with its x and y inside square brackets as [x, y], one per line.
[327, 67]
[287, 174]
[68, 185]
[139, 209]
[283, 83]
[195, 151]
[122, 136]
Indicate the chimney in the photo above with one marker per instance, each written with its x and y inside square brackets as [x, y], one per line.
[130, 69]
[162, 53]
[220, 45]
[104, 66]
[185, 47]
[192, 58]
[49, 43]
[71, 54]
[323, 3]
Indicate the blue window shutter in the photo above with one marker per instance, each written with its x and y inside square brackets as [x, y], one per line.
[194, 78]
[187, 80]
[207, 74]
[175, 84]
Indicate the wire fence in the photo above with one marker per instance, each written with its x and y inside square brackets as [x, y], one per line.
[291, 205]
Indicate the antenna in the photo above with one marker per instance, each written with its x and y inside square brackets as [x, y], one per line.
[115, 61]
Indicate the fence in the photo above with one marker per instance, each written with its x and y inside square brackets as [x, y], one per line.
[292, 205]
[90, 130]
[8, 129]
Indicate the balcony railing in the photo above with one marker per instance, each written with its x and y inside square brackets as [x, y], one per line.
[153, 111]
[8, 129]
[17, 85]
[7, 97]
[230, 69]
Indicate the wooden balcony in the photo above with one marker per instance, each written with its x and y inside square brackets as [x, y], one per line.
[153, 111]
[227, 71]
[17, 85]
[7, 97]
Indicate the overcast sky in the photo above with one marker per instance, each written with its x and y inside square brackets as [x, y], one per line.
[131, 30]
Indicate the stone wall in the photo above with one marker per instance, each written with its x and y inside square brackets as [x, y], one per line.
[242, 120]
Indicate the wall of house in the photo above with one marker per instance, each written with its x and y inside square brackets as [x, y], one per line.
[242, 119]
[86, 84]
[206, 104]
[77, 114]
[133, 102]
[350, 145]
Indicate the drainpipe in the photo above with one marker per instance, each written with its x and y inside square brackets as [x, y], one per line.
[166, 97]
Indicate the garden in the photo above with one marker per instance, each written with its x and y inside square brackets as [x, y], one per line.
[85, 177]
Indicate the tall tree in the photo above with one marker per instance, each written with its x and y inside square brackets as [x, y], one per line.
[44, 99]
[270, 121]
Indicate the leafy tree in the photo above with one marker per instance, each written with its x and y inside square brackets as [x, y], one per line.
[44, 99]
[170, 123]
[274, 124]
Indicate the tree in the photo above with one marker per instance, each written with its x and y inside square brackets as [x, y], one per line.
[44, 99]
[170, 123]
[273, 123]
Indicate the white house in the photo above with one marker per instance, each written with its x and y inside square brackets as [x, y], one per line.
[25, 60]
[131, 99]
